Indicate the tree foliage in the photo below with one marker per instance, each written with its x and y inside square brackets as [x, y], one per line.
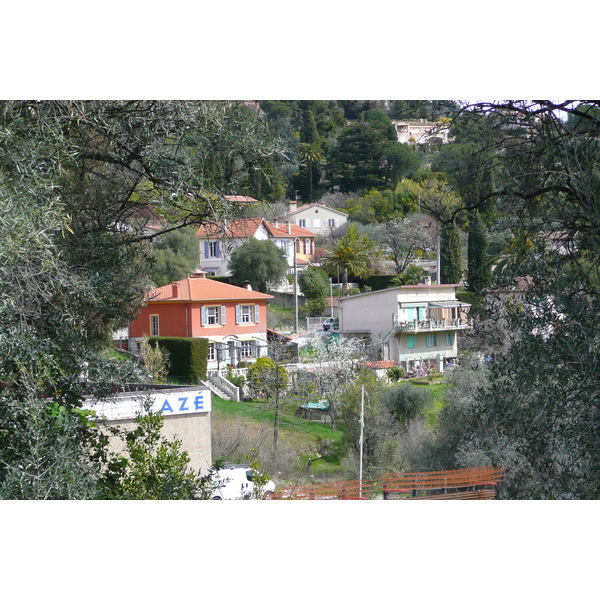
[258, 261]
[537, 411]
[80, 181]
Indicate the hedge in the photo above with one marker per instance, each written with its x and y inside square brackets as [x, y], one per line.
[188, 357]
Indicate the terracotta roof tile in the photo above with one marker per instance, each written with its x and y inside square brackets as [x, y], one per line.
[199, 289]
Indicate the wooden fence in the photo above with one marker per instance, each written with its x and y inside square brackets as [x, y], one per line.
[475, 483]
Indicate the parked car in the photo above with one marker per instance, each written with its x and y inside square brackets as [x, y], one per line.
[235, 482]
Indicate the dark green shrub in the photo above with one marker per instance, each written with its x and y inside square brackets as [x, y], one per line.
[406, 402]
[188, 357]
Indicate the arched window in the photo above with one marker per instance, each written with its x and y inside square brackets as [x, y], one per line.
[307, 249]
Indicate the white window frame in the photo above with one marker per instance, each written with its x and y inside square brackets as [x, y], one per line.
[301, 223]
[212, 315]
[431, 340]
[212, 351]
[250, 314]
[246, 349]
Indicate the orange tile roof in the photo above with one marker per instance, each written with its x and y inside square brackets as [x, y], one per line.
[244, 228]
[280, 230]
[198, 289]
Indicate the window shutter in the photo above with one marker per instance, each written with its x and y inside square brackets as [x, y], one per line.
[223, 314]
[435, 339]
[410, 341]
[256, 313]
[203, 313]
[205, 249]
[217, 249]
[238, 314]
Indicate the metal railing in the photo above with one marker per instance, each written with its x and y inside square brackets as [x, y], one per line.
[432, 324]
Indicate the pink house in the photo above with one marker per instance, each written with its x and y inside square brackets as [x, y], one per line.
[234, 319]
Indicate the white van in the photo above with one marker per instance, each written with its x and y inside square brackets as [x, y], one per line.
[234, 482]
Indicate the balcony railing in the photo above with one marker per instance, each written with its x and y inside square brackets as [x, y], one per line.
[432, 325]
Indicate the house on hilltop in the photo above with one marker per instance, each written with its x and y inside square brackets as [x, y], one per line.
[234, 319]
[410, 324]
[316, 218]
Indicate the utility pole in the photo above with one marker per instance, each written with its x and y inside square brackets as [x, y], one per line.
[362, 427]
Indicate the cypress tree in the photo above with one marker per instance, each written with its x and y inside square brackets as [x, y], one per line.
[478, 275]
[450, 255]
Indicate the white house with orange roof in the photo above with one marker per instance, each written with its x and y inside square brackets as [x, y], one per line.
[234, 319]
[218, 241]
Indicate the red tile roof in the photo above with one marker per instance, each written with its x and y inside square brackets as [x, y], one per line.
[197, 289]
[280, 230]
[244, 228]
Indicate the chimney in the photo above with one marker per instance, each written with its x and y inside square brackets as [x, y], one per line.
[293, 205]
[427, 280]
[175, 289]
[247, 285]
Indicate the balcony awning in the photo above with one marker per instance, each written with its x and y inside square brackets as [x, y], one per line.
[413, 304]
[449, 304]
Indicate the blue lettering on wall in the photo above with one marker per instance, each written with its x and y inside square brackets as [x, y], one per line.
[182, 402]
[166, 407]
[199, 402]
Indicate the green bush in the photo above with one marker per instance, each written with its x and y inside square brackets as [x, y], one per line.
[188, 357]
[406, 402]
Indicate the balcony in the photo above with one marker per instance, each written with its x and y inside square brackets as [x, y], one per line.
[433, 325]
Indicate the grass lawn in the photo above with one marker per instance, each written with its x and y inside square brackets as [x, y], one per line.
[240, 425]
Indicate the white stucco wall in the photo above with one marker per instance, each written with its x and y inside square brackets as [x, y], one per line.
[316, 218]
[186, 412]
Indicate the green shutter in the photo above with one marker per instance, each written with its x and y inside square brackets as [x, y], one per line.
[410, 341]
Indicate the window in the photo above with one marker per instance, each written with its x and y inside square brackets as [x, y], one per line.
[331, 222]
[212, 351]
[301, 222]
[286, 247]
[246, 313]
[211, 249]
[410, 341]
[449, 339]
[247, 349]
[431, 340]
[154, 325]
[307, 249]
[213, 315]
